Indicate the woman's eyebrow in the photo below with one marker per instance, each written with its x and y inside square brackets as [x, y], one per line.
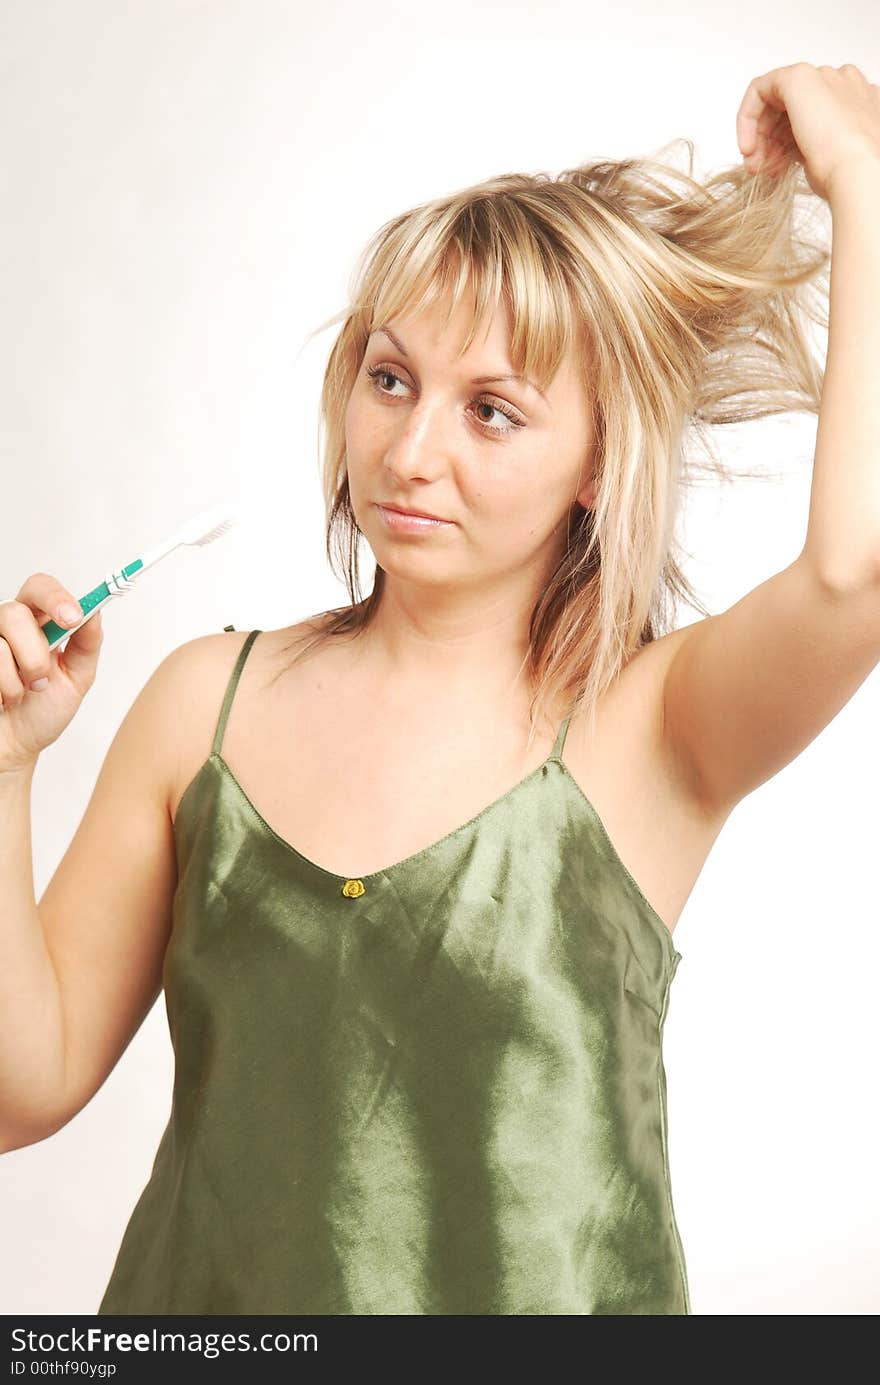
[478, 379]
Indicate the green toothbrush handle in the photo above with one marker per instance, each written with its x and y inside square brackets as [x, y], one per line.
[115, 584]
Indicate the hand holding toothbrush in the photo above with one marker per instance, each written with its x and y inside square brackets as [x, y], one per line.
[33, 623]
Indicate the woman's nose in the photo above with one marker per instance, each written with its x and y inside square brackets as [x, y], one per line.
[419, 443]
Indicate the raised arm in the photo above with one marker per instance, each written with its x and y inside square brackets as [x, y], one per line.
[748, 689]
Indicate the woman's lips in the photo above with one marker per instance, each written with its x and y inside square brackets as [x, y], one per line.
[409, 523]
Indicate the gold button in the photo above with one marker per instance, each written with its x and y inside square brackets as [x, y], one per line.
[353, 888]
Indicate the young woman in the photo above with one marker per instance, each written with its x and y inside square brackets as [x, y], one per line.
[414, 917]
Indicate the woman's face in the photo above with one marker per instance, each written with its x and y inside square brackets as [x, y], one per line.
[496, 459]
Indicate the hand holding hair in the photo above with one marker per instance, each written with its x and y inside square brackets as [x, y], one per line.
[827, 118]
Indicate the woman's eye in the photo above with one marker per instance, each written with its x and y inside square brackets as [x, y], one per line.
[378, 374]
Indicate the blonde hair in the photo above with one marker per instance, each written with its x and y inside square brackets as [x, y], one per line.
[687, 301]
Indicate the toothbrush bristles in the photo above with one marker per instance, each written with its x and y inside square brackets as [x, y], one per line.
[214, 533]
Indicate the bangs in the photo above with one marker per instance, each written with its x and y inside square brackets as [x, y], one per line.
[492, 252]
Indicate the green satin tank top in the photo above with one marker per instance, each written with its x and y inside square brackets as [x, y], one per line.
[438, 1088]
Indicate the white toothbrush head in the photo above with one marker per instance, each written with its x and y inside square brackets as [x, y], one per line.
[209, 524]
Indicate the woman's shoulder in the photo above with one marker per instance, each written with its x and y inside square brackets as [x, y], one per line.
[204, 666]
[271, 647]
[273, 654]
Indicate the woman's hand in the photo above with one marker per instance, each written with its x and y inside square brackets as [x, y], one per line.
[32, 718]
[827, 118]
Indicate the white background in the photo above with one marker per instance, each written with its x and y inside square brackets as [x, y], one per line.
[186, 188]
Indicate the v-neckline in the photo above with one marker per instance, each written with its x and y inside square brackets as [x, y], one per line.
[389, 872]
[391, 869]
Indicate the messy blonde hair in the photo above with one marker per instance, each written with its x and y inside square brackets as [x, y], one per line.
[686, 302]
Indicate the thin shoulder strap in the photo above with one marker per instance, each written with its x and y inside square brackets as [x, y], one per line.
[556, 752]
[230, 689]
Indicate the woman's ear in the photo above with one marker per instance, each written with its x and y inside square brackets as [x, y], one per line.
[586, 496]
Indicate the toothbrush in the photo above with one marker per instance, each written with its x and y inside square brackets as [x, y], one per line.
[201, 529]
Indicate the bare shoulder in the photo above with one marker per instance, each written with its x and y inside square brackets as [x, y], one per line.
[630, 734]
[658, 824]
[197, 676]
[648, 677]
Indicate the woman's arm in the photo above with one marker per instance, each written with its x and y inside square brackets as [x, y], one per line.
[843, 533]
[748, 689]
